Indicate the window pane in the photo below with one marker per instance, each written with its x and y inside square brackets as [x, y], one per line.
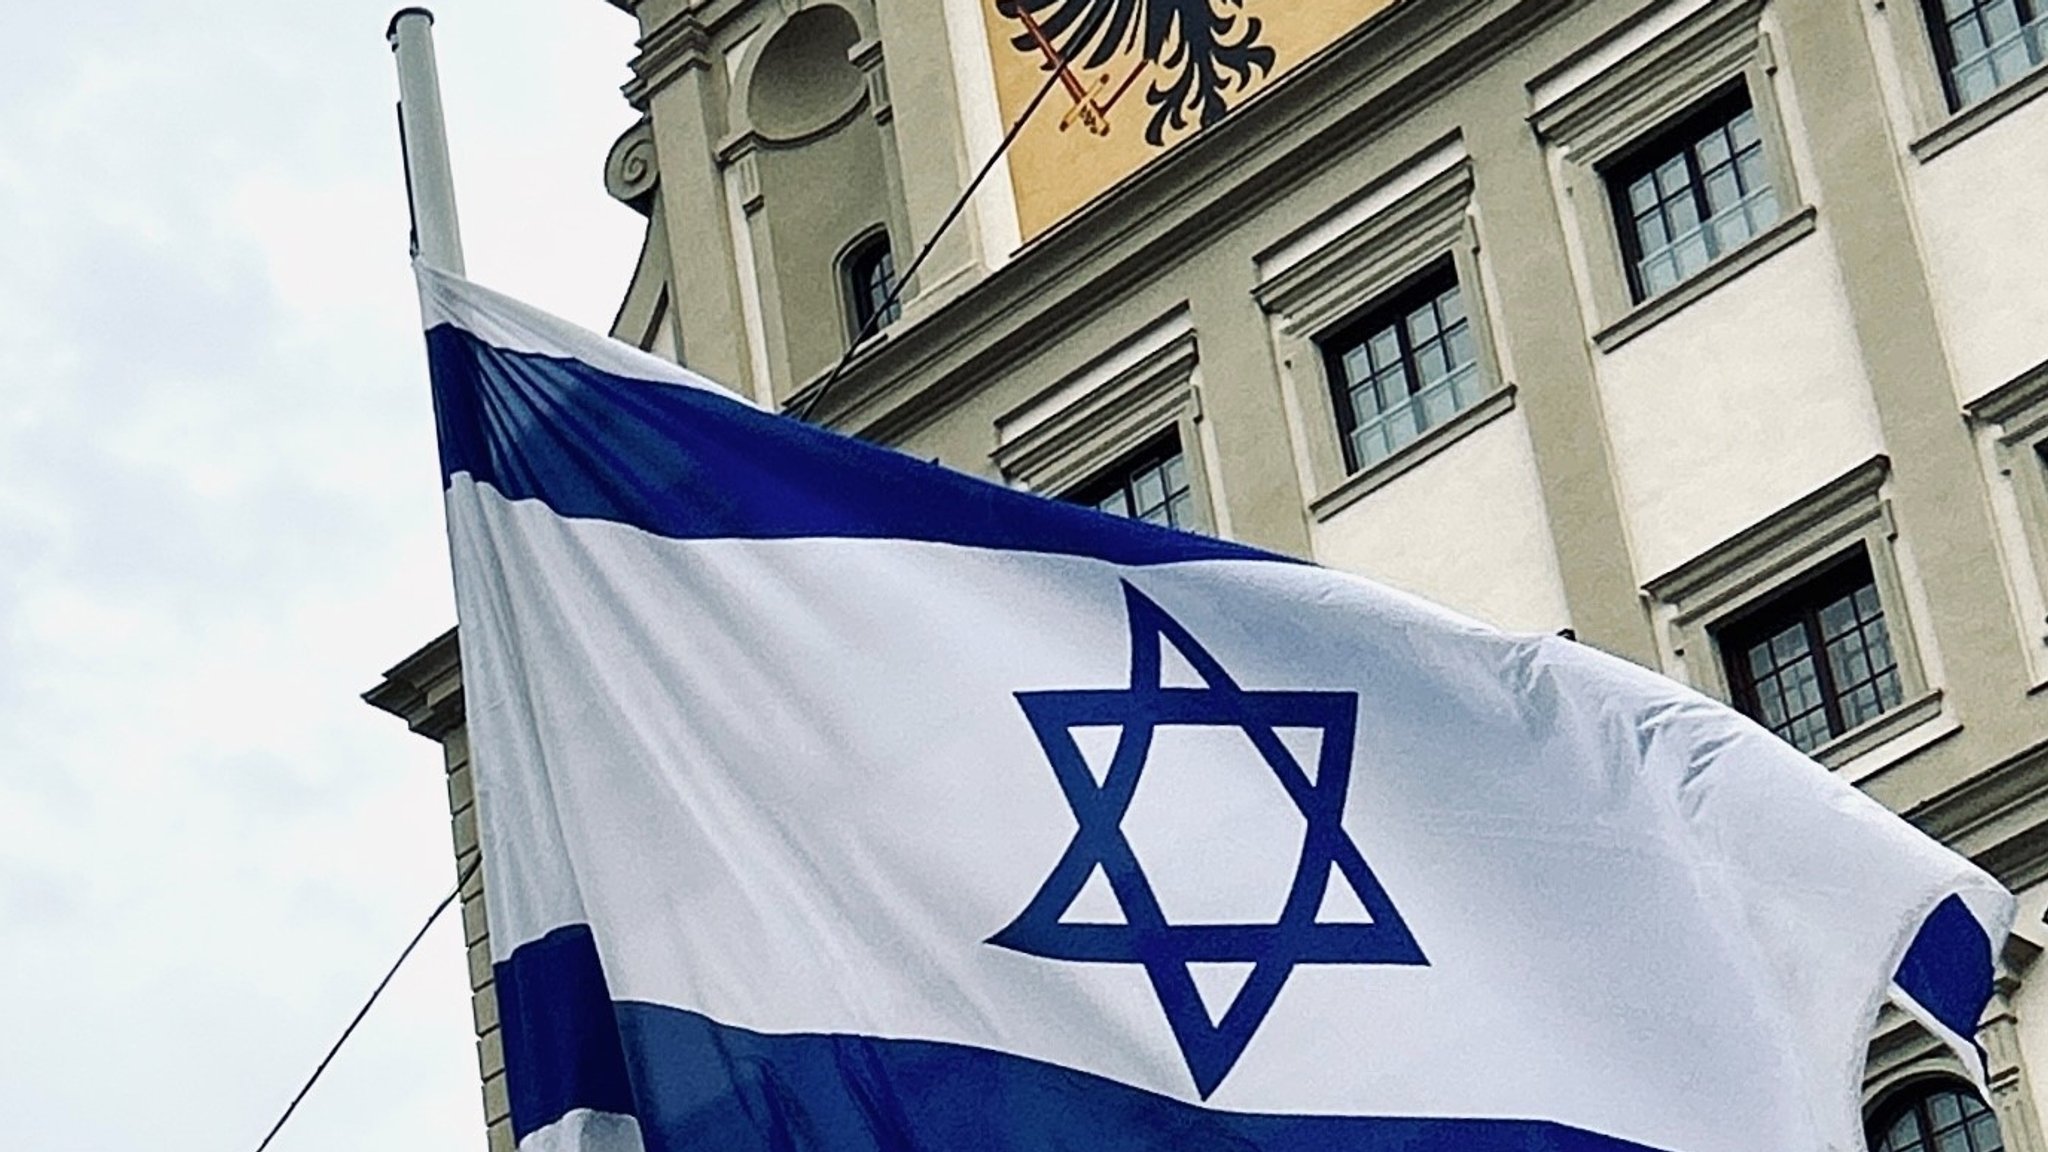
[1652, 232]
[2000, 20]
[1366, 401]
[1724, 191]
[1672, 178]
[1176, 469]
[1713, 151]
[1452, 305]
[1357, 365]
[1838, 617]
[1431, 363]
[1809, 732]
[1386, 349]
[1969, 37]
[1742, 129]
[1750, 167]
[1422, 323]
[1149, 489]
[1396, 383]
[1691, 253]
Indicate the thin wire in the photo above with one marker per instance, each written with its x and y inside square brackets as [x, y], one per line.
[867, 330]
[974, 185]
[374, 993]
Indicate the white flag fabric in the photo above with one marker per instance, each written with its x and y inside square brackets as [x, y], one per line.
[833, 800]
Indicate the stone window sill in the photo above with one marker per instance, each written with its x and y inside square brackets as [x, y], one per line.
[1981, 115]
[1658, 309]
[1861, 752]
[1411, 455]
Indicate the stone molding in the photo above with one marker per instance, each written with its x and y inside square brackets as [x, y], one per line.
[1309, 119]
[632, 170]
[1069, 432]
[665, 53]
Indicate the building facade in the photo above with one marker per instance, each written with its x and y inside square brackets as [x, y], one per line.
[1709, 332]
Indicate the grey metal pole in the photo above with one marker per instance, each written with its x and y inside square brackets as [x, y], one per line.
[430, 182]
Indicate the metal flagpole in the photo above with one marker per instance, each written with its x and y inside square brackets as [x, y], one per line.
[423, 135]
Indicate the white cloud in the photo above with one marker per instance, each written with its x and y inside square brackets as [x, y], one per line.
[219, 521]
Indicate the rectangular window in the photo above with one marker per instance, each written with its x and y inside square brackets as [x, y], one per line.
[1692, 193]
[1407, 366]
[1817, 660]
[1151, 485]
[1983, 45]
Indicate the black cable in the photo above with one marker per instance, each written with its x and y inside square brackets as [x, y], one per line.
[374, 993]
[952, 214]
[867, 330]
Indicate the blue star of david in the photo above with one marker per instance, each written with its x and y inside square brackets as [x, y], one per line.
[1166, 950]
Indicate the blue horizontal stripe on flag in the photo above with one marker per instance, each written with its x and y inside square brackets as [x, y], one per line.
[1947, 969]
[696, 1084]
[561, 1045]
[688, 464]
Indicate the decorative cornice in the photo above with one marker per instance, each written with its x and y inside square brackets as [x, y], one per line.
[665, 53]
[1837, 500]
[425, 689]
[867, 56]
[1704, 50]
[1363, 85]
[1369, 258]
[2019, 405]
[1046, 442]
[1997, 817]
[632, 171]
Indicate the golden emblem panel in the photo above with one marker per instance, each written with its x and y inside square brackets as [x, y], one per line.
[1137, 77]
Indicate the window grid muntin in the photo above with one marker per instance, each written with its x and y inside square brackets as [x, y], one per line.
[1818, 660]
[1153, 485]
[1407, 366]
[1984, 45]
[1693, 193]
[1933, 1120]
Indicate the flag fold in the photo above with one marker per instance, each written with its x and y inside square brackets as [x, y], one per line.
[830, 799]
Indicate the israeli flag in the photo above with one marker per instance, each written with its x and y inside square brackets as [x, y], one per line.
[833, 800]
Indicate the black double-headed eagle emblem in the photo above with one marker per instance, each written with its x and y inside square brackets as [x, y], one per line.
[1205, 51]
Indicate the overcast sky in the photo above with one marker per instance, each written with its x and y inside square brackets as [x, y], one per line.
[220, 521]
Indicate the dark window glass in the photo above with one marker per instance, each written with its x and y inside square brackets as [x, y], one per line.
[1151, 486]
[1407, 366]
[1983, 45]
[870, 276]
[1692, 193]
[1817, 660]
[1940, 1117]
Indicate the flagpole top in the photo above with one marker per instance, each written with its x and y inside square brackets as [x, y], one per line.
[391, 29]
